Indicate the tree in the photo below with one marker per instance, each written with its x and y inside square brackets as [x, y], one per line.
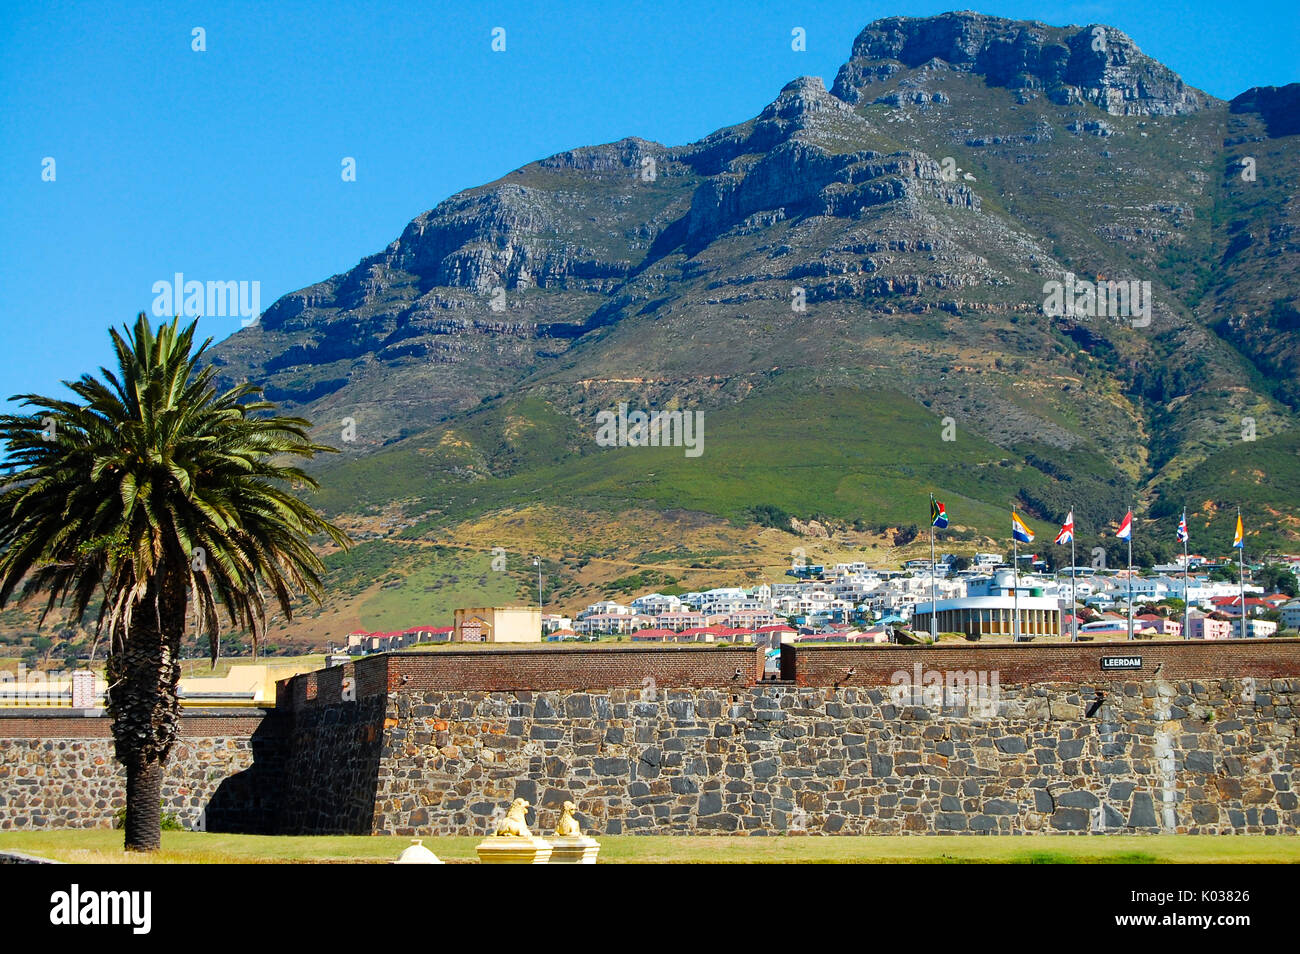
[43, 645]
[905, 535]
[1277, 578]
[155, 491]
[1223, 574]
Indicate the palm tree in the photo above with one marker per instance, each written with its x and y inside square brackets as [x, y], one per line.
[156, 493]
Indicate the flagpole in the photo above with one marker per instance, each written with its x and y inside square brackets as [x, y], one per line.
[1130, 579]
[1187, 616]
[1015, 587]
[934, 608]
[1074, 595]
[1241, 574]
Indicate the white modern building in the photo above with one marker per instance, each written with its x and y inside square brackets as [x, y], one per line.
[977, 616]
[606, 608]
[1255, 628]
[656, 604]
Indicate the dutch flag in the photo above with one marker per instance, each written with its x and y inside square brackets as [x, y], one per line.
[1125, 531]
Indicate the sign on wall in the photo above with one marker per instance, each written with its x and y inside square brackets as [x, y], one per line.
[1111, 663]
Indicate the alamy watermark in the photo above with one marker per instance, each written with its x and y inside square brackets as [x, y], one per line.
[624, 428]
[80, 688]
[970, 692]
[1080, 298]
[76, 906]
[195, 299]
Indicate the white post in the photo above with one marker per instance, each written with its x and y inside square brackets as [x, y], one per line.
[1187, 618]
[1241, 576]
[1130, 581]
[934, 613]
[537, 562]
[1015, 589]
[1074, 596]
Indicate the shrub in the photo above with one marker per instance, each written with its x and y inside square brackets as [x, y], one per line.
[169, 820]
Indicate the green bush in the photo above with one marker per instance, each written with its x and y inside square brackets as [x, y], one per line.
[169, 820]
[767, 515]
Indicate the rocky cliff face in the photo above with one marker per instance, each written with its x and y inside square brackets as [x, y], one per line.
[896, 231]
[1095, 64]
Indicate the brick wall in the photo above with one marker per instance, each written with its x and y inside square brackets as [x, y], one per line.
[539, 669]
[1030, 664]
[53, 724]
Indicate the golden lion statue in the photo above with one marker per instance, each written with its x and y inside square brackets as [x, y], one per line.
[515, 824]
[567, 826]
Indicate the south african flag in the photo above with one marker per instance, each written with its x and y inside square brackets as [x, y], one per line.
[938, 515]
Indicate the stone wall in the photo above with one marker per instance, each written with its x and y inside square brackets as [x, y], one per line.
[331, 768]
[1011, 739]
[58, 771]
[1153, 757]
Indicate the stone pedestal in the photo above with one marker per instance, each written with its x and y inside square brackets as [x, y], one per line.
[574, 850]
[513, 850]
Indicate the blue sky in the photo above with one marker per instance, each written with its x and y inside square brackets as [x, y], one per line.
[225, 164]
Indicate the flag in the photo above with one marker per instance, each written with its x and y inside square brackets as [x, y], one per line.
[1067, 529]
[1125, 531]
[1019, 530]
[1238, 539]
[938, 515]
[1182, 528]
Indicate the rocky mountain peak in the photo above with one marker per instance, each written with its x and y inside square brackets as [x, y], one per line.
[1096, 63]
[803, 98]
[618, 157]
[1279, 106]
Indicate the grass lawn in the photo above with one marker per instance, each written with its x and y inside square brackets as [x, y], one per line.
[103, 846]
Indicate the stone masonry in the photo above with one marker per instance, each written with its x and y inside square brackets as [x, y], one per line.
[64, 774]
[1191, 757]
[1197, 738]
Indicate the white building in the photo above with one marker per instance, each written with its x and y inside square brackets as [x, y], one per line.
[991, 616]
[656, 604]
[726, 600]
[1147, 589]
[1255, 628]
[553, 621]
[612, 623]
[606, 608]
[684, 620]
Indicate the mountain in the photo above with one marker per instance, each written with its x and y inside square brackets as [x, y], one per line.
[851, 287]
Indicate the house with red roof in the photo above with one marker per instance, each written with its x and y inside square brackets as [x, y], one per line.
[1232, 605]
[656, 635]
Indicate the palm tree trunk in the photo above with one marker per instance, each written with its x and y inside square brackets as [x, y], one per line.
[144, 701]
[144, 806]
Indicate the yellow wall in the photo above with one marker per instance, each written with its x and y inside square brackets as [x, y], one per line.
[499, 624]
